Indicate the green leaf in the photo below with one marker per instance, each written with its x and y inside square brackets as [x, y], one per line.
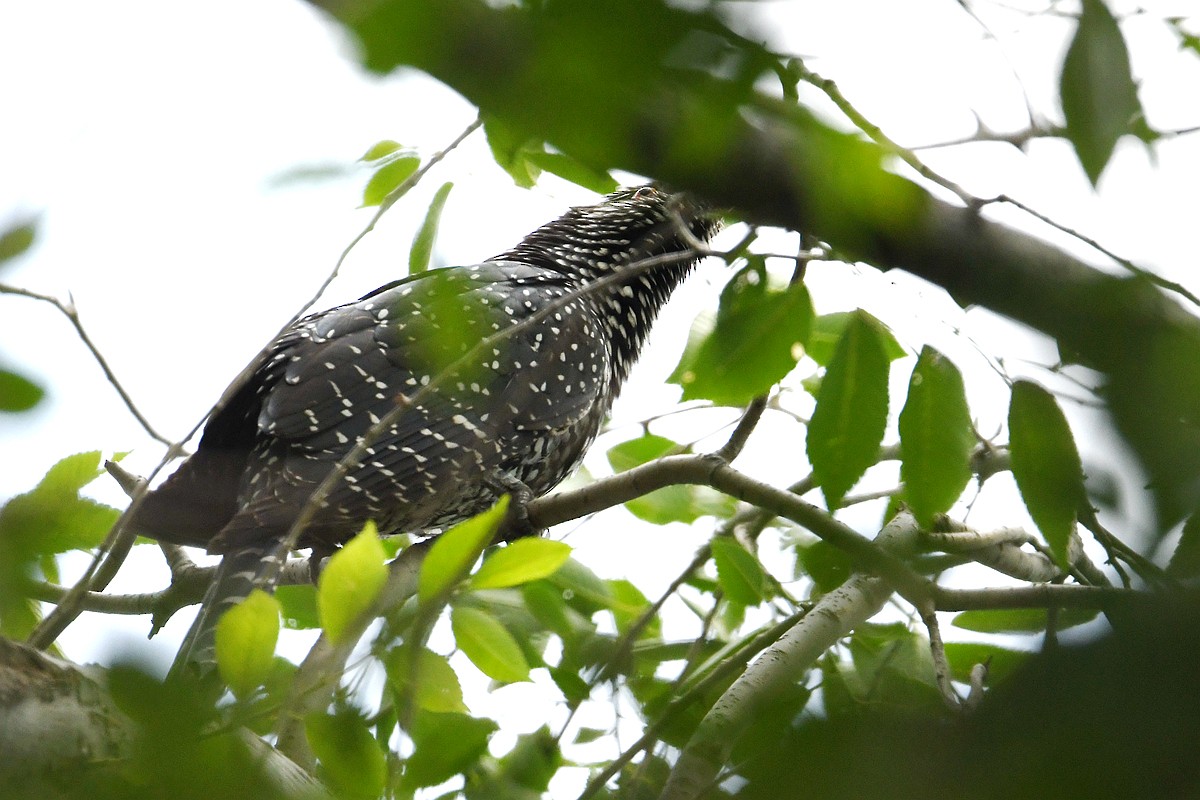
[676, 503]
[443, 746]
[350, 582]
[851, 414]
[573, 170]
[827, 332]
[1185, 561]
[381, 149]
[489, 645]
[756, 340]
[52, 517]
[432, 682]
[528, 768]
[1045, 464]
[828, 566]
[387, 178]
[582, 588]
[18, 393]
[629, 604]
[589, 735]
[936, 437]
[298, 604]
[740, 575]
[456, 551]
[351, 759]
[1000, 662]
[422, 246]
[1099, 95]
[16, 239]
[245, 642]
[512, 150]
[1021, 620]
[520, 562]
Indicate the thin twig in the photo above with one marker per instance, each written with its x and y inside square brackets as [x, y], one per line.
[941, 666]
[388, 201]
[69, 311]
[741, 434]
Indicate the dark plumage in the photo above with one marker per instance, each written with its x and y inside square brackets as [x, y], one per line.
[519, 413]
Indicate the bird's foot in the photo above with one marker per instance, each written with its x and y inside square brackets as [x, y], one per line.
[516, 524]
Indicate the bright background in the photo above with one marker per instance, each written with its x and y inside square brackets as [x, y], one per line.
[164, 148]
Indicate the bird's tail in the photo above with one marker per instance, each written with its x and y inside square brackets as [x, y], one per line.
[240, 572]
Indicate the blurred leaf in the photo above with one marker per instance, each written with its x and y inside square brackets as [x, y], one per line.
[1000, 662]
[677, 503]
[574, 688]
[827, 331]
[513, 150]
[16, 239]
[828, 566]
[1099, 96]
[18, 393]
[443, 746]
[381, 149]
[298, 604]
[520, 562]
[489, 645]
[581, 587]
[524, 772]
[589, 735]
[350, 582]
[628, 607]
[53, 517]
[456, 551]
[851, 414]
[1045, 464]
[245, 643]
[1021, 620]
[434, 684]
[569, 169]
[387, 178]
[1185, 561]
[892, 667]
[741, 577]
[350, 757]
[422, 246]
[756, 340]
[936, 437]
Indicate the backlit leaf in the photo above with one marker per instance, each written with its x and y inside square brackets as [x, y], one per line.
[740, 575]
[1021, 620]
[16, 239]
[520, 562]
[936, 437]
[1045, 464]
[245, 643]
[489, 645]
[757, 338]
[443, 746]
[351, 759]
[851, 414]
[18, 393]
[456, 551]
[350, 582]
[422, 246]
[432, 681]
[1099, 95]
[387, 178]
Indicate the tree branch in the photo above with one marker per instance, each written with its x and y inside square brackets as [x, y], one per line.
[834, 616]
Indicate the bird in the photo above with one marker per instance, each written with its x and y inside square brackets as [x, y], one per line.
[466, 382]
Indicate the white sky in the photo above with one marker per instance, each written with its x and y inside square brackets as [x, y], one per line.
[150, 138]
